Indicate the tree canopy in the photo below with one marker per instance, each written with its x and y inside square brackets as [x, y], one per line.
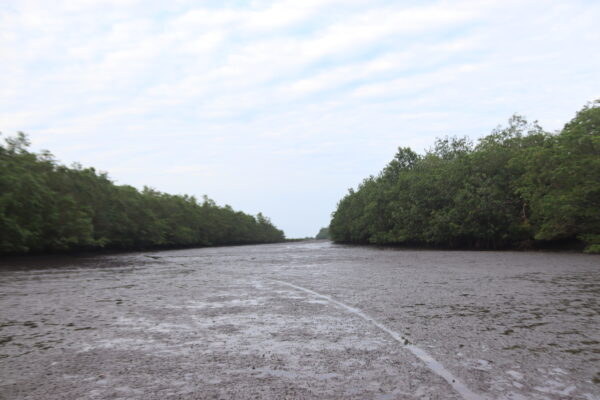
[517, 187]
[47, 207]
[323, 233]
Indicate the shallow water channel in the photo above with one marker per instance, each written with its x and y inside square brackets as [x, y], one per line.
[301, 320]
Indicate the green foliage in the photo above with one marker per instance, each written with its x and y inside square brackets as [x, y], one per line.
[561, 182]
[517, 186]
[323, 234]
[47, 207]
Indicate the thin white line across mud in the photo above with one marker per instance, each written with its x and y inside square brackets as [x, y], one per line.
[431, 363]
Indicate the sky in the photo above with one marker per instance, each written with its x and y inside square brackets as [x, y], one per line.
[280, 106]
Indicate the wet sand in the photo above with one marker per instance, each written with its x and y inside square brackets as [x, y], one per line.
[301, 320]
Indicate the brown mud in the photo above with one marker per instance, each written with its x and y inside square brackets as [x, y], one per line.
[301, 320]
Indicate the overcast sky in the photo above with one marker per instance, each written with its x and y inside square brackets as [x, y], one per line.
[281, 106]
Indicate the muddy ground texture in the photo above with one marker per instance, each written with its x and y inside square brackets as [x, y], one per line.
[301, 320]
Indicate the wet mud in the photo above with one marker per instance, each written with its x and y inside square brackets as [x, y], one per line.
[302, 320]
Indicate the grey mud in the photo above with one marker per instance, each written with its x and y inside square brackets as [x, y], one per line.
[303, 320]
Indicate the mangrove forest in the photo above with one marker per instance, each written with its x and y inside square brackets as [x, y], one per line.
[48, 207]
[518, 187]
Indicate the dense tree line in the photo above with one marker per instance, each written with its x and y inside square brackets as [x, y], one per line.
[323, 234]
[46, 207]
[516, 188]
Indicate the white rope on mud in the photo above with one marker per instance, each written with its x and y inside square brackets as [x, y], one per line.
[435, 366]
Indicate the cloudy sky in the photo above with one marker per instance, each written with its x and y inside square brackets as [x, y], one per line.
[281, 106]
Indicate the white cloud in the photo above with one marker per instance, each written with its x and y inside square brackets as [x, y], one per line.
[272, 103]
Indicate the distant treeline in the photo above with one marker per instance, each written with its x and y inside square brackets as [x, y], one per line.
[518, 187]
[323, 234]
[48, 207]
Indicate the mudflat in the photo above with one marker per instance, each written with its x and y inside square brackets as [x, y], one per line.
[301, 320]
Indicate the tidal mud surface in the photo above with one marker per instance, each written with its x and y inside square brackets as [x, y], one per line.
[301, 320]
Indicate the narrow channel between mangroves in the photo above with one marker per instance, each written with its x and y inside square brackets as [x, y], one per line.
[306, 320]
